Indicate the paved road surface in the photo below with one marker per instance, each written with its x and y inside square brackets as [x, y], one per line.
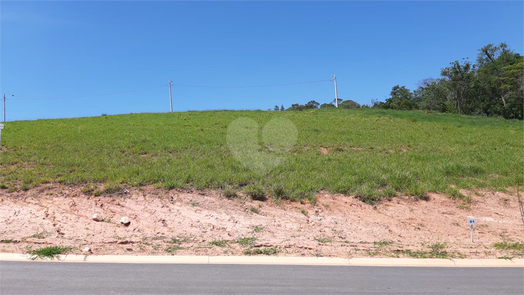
[94, 278]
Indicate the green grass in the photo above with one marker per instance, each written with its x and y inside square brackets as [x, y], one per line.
[246, 241]
[509, 246]
[262, 251]
[437, 251]
[172, 249]
[179, 240]
[221, 243]
[373, 154]
[382, 243]
[51, 252]
[322, 240]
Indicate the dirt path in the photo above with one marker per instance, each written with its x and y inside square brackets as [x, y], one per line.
[205, 223]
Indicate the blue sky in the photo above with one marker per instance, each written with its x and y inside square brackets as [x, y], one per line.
[56, 55]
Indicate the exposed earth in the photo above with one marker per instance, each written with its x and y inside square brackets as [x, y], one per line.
[206, 223]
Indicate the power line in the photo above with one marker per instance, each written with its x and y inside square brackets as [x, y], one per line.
[166, 85]
[91, 95]
[251, 86]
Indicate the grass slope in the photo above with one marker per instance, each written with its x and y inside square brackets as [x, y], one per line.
[372, 153]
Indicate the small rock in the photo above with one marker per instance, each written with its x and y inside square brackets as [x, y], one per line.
[86, 249]
[97, 217]
[125, 221]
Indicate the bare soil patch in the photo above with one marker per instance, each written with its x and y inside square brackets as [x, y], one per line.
[205, 223]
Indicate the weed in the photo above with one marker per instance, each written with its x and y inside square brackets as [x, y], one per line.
[246, 241]
[509, 246]
[258, 229]
[303, 212]
[6, 241]
[173, 249]
[219, 243]
[262, 251]
[318, 254]
[382, 243]
[193, 203]
[437, 250]
[254, 210]
[179, 240]
[51, 252]
[322, 240]
[3, 186]
[40, 235]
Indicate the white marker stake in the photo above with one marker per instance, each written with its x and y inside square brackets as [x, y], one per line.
[472, 221]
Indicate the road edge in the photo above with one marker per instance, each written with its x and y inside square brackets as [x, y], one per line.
[276, 260]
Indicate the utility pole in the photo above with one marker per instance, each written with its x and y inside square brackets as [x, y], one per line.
[336, 94]
[4, 107]
[170, 97]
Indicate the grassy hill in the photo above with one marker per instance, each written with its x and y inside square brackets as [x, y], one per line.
[370, 153]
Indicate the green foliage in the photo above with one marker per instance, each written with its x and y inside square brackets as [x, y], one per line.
[311, 105]
[51, 252]
[258, 229]
[493, 86]
[349, 104]
[401, 99]
[327, 105]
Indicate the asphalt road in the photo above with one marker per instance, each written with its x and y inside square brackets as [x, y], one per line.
[96, 278]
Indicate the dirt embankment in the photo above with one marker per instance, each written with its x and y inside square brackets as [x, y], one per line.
[205, 223]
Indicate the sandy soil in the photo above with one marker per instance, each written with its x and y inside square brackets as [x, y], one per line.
[337, 226]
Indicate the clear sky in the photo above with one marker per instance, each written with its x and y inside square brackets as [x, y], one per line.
[57, 56]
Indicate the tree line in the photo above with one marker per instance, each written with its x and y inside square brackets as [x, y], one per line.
[491, 86]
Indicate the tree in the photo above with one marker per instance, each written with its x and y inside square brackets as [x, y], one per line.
[376, 104]
[495, 70]
[311, 105]
[296, 107]
[349, 104]
[460, 77]
[401, 99]
[326, 105]
[276, 108]
[282, 108]
[433, 95]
